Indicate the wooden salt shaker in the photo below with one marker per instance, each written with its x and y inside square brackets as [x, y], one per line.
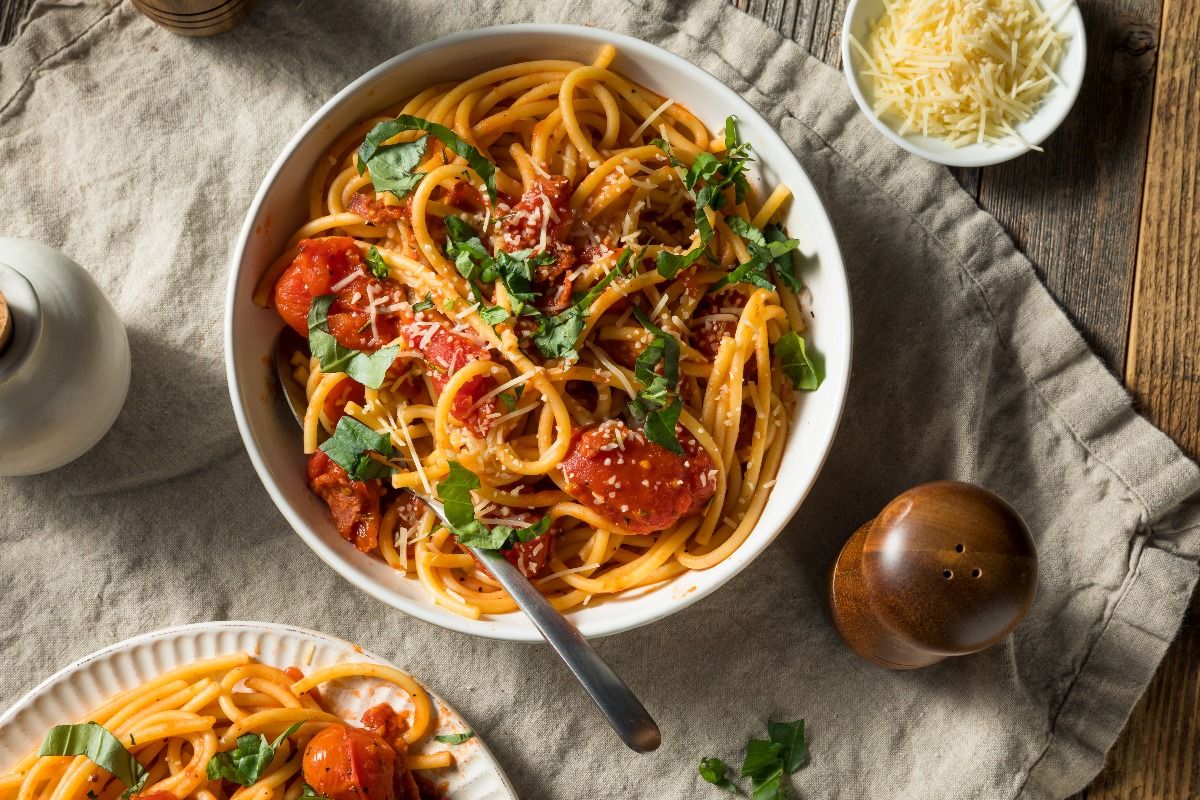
[195, 17]
[946, 569]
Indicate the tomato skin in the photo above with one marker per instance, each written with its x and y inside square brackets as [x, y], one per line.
[532, 557]
[344, 763]
[347, 391]
[354, 505]
[445, 352]
[322, 264]
[633, 483]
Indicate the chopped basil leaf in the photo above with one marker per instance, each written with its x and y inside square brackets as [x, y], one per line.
[369, 369]
[804, 370]
[454, 738]
[514, 270]
[391, 165]
[425, 304]
[766, 763]
[310, 793]
[784, 262]
[485, 169]
[493, 315]
[509, 399]
[656, 405]
[790, 737]
[713, 770]
[247, 761]
[557, 336]
[706, 180]
[455, 493]
[765, 253]
[379, 267]
[101, 747]
[350, 446]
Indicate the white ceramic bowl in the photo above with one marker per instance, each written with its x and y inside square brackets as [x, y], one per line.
[76, 690]
[1049, 115]
[271, 436]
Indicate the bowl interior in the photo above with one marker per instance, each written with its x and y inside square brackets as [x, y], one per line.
[1054, 108]
[271, 436]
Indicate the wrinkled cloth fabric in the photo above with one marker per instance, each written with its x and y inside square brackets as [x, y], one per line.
[137, 153]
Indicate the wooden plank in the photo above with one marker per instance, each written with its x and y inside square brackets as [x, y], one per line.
[1156, 758]
[1074, 209]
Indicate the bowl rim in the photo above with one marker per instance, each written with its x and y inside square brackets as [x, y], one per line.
[837, 372]
[974, 155]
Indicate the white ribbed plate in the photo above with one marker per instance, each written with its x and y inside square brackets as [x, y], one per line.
[68, 695]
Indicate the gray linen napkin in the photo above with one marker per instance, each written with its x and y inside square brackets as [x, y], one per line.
[137, 153]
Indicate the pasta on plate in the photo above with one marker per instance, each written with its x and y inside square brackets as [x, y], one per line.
[232, 728]
[555, 300]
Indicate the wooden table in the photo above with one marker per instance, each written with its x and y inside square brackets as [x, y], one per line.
[1110, 213]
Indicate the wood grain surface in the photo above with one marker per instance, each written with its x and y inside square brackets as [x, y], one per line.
[1111, 217]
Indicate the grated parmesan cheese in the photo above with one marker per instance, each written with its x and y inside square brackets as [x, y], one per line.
[965, 71]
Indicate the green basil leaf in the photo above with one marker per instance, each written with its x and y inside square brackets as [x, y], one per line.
[425, 304]
[454, 490]
[660, 427]
[350, 445]
[309, 793]
[509, 399]
[805, 370]
[769, 785]
[745, 230]
[789, 736]
[762, 757]
[369, 369]
[391, 165]
[557, 336]
[245, 763]
[99, 746]
[671, 264]
[713, 770]
[379, 267]
[781, 248]
[485, 169]
[493, 315]
[454, 738]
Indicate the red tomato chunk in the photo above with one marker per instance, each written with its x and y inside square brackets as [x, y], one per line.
[636, 484]
[354, 505]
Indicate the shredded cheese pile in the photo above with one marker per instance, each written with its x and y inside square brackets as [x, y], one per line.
[966, 71]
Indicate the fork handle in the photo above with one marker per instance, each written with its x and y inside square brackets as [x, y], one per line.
[625, 713]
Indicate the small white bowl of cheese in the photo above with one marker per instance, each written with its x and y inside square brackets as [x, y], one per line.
[922, 69]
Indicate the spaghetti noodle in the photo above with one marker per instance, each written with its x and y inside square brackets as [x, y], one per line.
[551, 297]
[202, 729]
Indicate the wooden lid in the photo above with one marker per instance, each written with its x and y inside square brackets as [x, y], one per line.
[949, 567]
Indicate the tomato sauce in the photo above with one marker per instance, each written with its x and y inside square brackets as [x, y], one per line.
[445, 352]
[354, 505]
[545, 206]
[374, 210]
[632, 482]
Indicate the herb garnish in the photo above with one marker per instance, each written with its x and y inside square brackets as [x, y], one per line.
[99, 746]
[454, 738]
[369, 369]
[766, 763]
[309, 793]
[379, 267]
[706, 180]
[395, 162]
[350, 448]
[804, 370]
[455, 493]
[765, 253]
[657, 405]
[425, 304]
[557, 336]
[509, 399]
[246, 762]
[514, 270]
